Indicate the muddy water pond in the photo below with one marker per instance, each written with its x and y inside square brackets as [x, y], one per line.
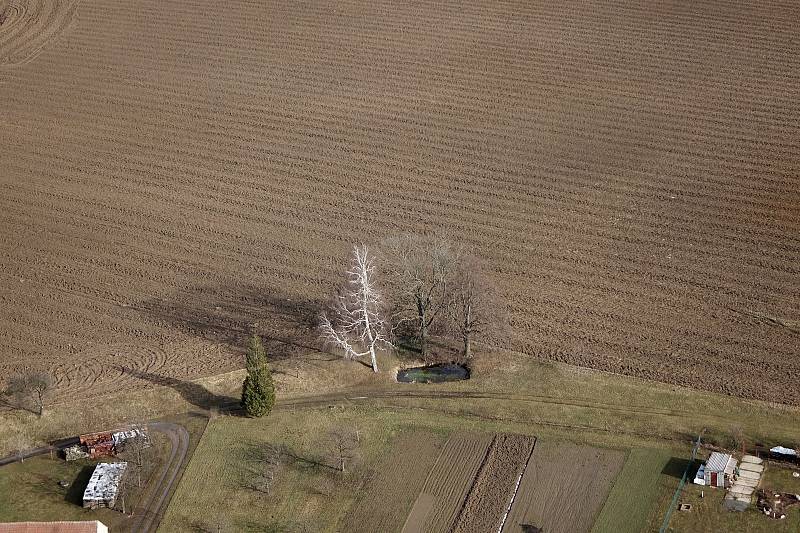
[433, 374]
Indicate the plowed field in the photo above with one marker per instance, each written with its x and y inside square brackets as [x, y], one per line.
[385, 503]
[493, 490]
[563, 487]
[175, 175]
[449, 483]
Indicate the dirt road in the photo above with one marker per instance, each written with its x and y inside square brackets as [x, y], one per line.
[148, 514]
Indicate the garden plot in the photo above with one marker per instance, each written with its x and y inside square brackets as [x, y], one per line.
[563, 488]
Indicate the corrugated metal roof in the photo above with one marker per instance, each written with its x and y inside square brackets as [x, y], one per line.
[721, 462]
[104, 482]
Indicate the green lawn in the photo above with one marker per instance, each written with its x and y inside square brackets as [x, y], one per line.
[656, 422]
[708, 516]
[29, 491]
[632, 506]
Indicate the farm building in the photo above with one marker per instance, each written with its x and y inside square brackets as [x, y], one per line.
[104, 444]
[98, 444]
[104, 485]
[86, 526]
[720, 469]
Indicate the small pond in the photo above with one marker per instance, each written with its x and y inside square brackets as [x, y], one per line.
[433, 374]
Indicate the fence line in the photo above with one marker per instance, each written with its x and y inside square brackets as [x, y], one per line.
[675, 496]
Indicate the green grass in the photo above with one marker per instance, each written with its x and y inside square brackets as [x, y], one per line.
[708, 516]
[780, 480]
[632, 502]
[309, 493]
[656, 422]
[29, 491]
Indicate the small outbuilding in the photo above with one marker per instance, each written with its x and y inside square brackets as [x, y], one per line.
[719, 470]
[104, 485]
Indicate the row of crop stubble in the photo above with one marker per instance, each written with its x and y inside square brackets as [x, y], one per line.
[636, 196]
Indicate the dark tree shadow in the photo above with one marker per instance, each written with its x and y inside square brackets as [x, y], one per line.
[230, 314]
[192, 392]
[675, 467]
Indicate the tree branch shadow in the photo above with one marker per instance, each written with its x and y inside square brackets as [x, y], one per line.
[230, 314]
[190, 391]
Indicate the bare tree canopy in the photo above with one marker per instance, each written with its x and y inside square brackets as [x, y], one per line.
[475, 309]
[344, 443]
[30, 389]
[419, 271]
[356, 321]
[263, 467]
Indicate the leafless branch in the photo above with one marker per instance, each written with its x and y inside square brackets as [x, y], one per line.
[355, 323]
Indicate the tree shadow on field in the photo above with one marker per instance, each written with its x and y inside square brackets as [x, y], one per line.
[230, 314]
[194, 393]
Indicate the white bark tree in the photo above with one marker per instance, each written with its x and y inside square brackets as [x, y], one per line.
[356, 322]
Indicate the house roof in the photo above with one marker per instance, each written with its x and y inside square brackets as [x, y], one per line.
[91, 526]
[721, 462]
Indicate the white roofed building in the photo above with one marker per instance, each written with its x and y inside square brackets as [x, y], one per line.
[104, 485]
[720, 469]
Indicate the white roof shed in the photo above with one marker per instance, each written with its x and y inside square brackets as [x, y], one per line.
[104, 485]
[721, 463]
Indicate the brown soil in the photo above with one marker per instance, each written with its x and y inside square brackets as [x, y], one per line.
[449, 483]
[385, 502]
[27, 26]
[176, 175]
[563, 488]
[492, 492]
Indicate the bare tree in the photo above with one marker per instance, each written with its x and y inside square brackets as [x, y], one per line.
[20, 443]
[136, 450]
[356, 323]
[129, 483]
[263, 467]
[30, 387]
[344, 443]
[475, 308]
[419, 271]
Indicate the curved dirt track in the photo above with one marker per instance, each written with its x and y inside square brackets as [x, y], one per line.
[148, 513]
[630, 170]
[27, 26]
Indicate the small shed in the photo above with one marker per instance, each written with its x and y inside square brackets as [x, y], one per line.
[104, 485]
[720, 469]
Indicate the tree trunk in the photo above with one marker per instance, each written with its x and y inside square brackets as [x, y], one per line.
[370, 338]
[467, 331]
[423, 329]
[374, 360]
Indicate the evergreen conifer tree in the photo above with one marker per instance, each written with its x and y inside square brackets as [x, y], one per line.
[258, 391]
